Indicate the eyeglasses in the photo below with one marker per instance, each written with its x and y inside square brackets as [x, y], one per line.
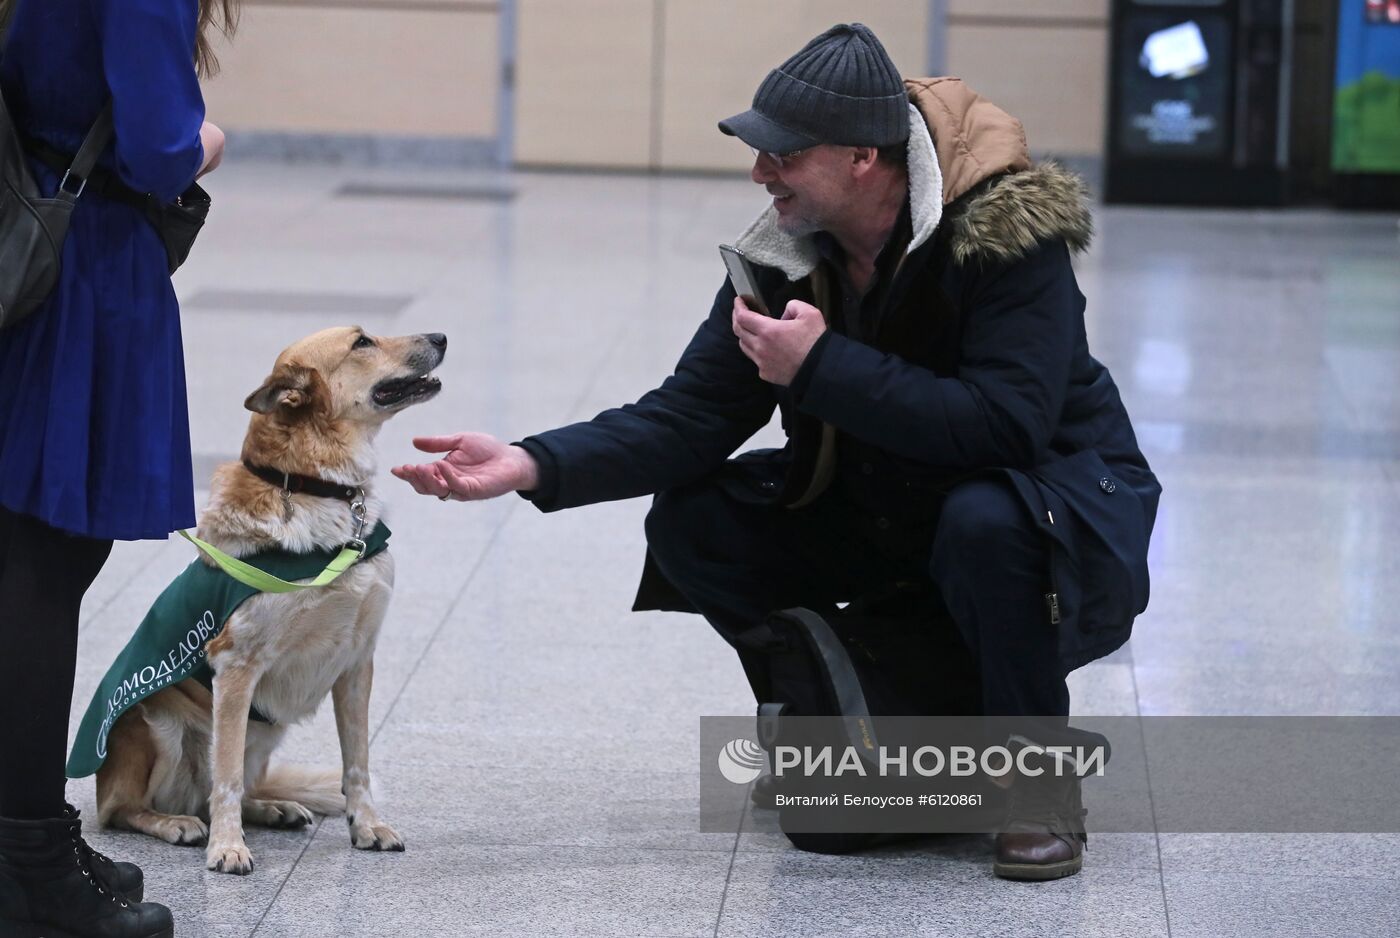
[779, 159]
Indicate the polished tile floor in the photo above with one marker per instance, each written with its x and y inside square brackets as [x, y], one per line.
[535, 742]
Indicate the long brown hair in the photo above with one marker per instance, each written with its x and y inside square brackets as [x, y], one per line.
[213, 14]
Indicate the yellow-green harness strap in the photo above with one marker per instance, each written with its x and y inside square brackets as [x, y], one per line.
[262, 581]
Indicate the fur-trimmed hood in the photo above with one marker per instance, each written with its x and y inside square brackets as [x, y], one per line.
[970, 169]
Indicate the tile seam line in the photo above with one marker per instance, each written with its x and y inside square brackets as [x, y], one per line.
[1353, 413]
[594, 846]
[729, 874]
[442, 624]
[930, 857]
[1274, 876]
[286, 879]
[1152, 801]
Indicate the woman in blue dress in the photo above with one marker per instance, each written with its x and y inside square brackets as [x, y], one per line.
[94, 429]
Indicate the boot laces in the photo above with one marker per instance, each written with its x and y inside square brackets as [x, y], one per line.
[73, 815]
[85, 854]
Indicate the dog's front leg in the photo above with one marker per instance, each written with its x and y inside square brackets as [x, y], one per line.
[351, 696]
[233, 696]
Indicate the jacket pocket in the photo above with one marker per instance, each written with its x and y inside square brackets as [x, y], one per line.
[1108, 538]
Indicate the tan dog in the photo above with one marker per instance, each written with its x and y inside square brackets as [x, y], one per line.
[183, 755]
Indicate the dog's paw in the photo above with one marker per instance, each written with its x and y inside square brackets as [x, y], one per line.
[183, 831]
[284, 815]
[229, 858]
[374, 836]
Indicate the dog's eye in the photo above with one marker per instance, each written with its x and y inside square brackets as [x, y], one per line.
[363, 341]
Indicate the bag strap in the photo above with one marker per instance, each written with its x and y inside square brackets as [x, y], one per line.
[86, 158]
[94, 143]
[850, 696]
[99, 180]
[852, 706]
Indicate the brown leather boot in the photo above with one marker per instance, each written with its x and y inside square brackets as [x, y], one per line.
[1044, 836]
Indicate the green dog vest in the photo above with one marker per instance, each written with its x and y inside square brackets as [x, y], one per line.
[168, 646]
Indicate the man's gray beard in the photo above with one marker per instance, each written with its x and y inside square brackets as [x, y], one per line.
[799, 226]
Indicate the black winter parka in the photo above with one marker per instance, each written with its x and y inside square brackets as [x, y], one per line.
[979, 366]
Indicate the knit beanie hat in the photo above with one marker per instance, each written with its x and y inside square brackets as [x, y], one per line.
[841, 88]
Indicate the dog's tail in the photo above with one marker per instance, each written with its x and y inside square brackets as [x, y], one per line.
[317, 789]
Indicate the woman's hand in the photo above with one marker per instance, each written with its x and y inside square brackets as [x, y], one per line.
[213, 139]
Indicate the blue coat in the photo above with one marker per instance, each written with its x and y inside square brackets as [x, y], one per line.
[94, 427]
[980, 365]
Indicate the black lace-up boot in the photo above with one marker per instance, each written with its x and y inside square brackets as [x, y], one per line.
[49, 888]
[124, 878]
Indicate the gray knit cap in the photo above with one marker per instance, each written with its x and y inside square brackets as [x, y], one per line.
[841, 88]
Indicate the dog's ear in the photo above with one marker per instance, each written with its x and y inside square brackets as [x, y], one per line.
[289, 389]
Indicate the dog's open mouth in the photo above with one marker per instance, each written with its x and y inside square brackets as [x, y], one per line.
[397, 391]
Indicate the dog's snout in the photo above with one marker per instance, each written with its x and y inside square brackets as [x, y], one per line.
[437, 340]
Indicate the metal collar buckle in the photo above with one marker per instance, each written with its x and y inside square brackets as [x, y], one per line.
[360, 512]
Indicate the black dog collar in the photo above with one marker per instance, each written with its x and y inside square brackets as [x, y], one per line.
[296, 484]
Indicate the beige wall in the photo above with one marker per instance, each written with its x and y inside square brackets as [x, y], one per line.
[652, 77]
[640, 84]
[633, 84]
[422, 68]
[584, 82]
[1046, 61]
[710, 69]
[1030, 9]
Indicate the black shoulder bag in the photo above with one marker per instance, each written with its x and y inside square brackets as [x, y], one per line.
[32, 228]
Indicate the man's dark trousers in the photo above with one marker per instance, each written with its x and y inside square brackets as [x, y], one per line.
[737, 561]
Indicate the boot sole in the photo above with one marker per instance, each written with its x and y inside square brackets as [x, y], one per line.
[1038, 872]
[12, 929]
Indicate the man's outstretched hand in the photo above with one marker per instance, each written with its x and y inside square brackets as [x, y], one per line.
[475, 466]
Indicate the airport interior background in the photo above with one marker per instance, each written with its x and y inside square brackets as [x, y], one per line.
[543, 181]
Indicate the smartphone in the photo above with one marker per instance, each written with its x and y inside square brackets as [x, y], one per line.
[742, 276]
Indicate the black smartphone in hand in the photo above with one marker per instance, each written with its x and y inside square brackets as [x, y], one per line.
[741, 274]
